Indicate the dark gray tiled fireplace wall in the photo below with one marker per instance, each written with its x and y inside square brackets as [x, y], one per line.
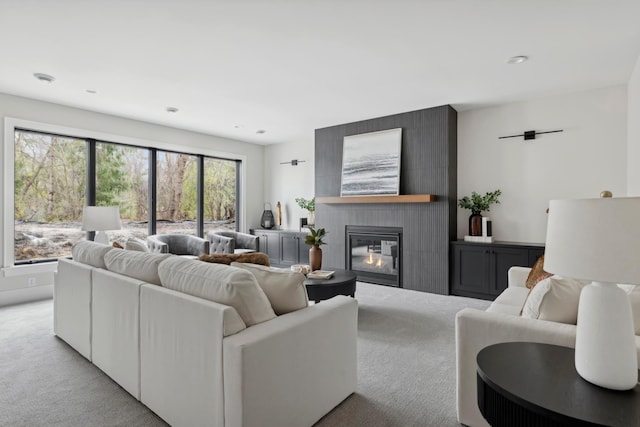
[428, 165]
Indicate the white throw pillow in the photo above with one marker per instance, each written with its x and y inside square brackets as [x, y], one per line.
[219, 283]
[555, 299]
[135, 245]
[139, 265]
[284, 288]
[90, 253]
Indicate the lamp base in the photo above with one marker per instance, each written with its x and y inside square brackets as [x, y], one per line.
[101, 237]
[605, 337]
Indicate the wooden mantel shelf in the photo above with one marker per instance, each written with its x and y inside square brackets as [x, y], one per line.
[406, 198]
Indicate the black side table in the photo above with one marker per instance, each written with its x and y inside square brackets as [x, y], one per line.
[343, 282]
[531, 384]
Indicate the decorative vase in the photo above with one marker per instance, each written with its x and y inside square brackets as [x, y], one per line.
[475, 224]
[311, 218]
[315, 258]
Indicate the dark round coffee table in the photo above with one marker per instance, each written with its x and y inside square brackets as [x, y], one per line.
[524, 383]
[343, 282]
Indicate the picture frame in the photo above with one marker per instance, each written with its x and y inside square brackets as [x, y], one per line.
[371, 164]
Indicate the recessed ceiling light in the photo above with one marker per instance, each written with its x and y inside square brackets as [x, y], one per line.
[261, 131]
[44, 77]
[92, 91]
[172, 110]
[517, 59]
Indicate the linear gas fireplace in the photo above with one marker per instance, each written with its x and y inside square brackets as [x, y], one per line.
[375, 254]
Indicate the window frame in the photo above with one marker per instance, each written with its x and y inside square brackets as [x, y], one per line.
[11, 125]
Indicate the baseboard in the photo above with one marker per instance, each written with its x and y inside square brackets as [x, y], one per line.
[19, 296]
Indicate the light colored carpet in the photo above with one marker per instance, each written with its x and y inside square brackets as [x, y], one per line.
[406, 373]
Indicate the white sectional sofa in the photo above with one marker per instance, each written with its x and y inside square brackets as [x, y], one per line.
[193, 361]
[501, 322]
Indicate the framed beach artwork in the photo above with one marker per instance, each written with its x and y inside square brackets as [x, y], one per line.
[371, 164]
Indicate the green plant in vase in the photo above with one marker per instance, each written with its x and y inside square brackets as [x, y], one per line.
[478, 204]
[310, 206]
[315, 239]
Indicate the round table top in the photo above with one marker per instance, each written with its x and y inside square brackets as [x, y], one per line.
[339, 277]
[543, 379]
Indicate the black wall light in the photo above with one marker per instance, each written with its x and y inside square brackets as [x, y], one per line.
[529, 134]
[293, 162]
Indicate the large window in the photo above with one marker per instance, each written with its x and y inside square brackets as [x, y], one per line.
[122, 179]
[177, 182]
[220, 180]
[50, 183]
[56, 176]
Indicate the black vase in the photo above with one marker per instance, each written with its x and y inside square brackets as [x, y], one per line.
[475, 224]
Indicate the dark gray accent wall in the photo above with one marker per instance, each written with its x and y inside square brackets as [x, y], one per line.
[428, 166]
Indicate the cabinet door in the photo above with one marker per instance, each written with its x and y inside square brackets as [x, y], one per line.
[502, 259]
[290, 247]
[470, 271]
[270, 245]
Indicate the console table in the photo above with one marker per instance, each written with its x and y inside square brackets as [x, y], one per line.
[537, 385]
[480, 270]
[284, 247]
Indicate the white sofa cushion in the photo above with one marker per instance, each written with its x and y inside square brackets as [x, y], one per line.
[219, 283]
[90, 253]
[555, 299]
[284, 288]
[510, 301]
[139, 265]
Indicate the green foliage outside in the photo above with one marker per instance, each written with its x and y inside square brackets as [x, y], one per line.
[49, 178]
[50, 181]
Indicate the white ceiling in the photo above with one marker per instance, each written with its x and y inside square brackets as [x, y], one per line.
[290, 67]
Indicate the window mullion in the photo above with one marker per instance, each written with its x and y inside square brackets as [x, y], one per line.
[200, 197]
[152, 191]
[90, 194]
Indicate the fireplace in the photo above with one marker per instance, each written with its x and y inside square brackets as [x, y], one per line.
[375, 254]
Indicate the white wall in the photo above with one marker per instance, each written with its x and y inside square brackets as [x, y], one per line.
[13, 281]
[633, 133]
[587, 157]
[284, 183]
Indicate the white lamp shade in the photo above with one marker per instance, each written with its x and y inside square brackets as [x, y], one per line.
[594, 239]
[101, 218]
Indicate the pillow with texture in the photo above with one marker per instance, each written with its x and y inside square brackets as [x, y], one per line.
[253, 258]
[139, 265]
[219, 283]
[135, 245]
[90, 253]
[537, 273]
[284, 288]
[555, 299]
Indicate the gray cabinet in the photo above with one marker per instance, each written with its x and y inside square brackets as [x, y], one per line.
[284, 247]
[480, 270]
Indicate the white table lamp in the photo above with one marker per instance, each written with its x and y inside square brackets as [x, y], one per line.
[599, 240]
[101, 219]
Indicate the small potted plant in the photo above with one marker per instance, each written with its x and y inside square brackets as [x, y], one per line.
[315, 253]
[478, 204]
[310, 206]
